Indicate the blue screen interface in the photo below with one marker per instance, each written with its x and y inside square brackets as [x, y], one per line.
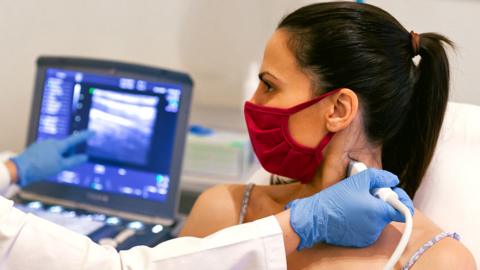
[134, 122]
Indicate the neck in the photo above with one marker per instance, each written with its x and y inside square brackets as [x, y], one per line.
[335, 164]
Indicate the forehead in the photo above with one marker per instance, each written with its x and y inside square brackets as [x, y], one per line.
[278, 58]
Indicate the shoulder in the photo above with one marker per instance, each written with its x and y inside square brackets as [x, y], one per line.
[215, 209]
[448, 253]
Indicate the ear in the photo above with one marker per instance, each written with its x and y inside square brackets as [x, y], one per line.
[343, 109]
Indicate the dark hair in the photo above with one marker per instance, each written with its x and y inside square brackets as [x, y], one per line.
[365, 49]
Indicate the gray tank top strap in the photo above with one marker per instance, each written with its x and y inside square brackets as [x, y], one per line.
[246, 198]
[428, 245]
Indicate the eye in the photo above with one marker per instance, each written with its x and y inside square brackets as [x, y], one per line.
[268, 86]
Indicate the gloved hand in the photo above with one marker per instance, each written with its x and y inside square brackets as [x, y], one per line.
[46, 158]
[347, 214]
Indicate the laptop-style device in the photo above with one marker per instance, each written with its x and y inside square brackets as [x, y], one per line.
[139, 115]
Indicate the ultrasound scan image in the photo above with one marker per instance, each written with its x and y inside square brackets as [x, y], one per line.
[123, 126]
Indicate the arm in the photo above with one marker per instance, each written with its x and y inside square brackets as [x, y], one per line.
[53, 247]
[215, 209]
[291, 240]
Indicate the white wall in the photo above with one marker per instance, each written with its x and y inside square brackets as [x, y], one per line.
[459, 20]
[215, 40]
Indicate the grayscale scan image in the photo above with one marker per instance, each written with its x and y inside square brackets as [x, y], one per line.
[123, 125]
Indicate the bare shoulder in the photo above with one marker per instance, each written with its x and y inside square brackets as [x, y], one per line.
[215, 209]
[447, 254]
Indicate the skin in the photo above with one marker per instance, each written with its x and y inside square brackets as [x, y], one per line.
[284, 84]
[12, 170]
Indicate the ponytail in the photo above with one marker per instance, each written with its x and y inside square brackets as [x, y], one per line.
[410, 151]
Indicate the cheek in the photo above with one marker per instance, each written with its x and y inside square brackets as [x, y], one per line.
[307, 127]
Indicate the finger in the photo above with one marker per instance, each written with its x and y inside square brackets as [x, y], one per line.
[381, 178]
[76, 138]
[392, 213]
[74, 161]
[405, 199]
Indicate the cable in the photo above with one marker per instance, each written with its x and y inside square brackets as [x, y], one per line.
[395, 202]
[390, 197]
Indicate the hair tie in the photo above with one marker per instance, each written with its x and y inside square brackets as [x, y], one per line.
[415, 38]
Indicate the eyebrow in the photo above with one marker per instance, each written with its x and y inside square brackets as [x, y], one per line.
[263, 73]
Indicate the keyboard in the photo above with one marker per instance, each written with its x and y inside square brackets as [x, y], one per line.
[106, 230]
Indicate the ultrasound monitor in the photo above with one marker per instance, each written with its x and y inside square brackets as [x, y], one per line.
[139, 117]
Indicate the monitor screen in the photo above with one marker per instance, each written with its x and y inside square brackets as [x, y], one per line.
[134, 122]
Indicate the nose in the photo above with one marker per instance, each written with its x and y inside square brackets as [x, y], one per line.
[253, 99]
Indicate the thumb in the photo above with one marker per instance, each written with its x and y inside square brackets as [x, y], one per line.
[381, 179]
[74, 161]
[392, 213]
[405, 199]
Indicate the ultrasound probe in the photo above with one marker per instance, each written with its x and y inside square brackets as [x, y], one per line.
[389, 196]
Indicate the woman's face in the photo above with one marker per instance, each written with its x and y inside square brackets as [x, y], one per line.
[284, 84]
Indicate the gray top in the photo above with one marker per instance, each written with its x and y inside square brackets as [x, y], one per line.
[246, 198]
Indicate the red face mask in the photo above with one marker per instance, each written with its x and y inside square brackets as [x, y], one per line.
[275, 147]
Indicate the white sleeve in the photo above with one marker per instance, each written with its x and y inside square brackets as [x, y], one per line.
[4, 177]
[28, 242]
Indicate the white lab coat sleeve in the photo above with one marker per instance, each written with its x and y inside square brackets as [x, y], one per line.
[29, 242]
[5, 178]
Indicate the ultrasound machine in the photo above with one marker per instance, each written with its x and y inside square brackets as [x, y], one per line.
[127, 193]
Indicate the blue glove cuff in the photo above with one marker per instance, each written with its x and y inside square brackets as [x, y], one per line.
[308, 228]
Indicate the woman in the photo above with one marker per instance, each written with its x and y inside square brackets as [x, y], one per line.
[338, 82]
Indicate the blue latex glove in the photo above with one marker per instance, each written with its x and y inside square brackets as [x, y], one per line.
[347, 214]
[49, 157]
